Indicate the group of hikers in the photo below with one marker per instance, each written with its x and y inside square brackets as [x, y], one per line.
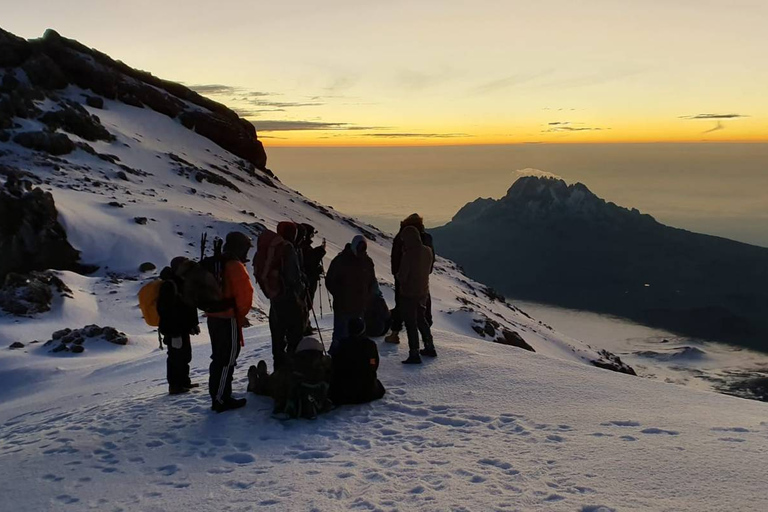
[288, 268]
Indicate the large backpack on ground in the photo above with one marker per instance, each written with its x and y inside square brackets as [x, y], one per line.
[306, 393]
[148, 295]
[268, 263]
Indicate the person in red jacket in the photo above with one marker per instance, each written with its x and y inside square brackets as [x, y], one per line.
[226, 327]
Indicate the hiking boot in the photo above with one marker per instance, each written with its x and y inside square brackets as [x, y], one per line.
[192, 385]
[428, 352]
[229, 404]
[175, 390]
[393, 338]
[413, 359]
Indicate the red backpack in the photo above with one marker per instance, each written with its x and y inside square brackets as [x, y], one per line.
[268, 263]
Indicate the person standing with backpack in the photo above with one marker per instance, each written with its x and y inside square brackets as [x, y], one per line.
[178, 320]
[416, 221]
[351, 279]
[279, 275]
[226, 325]
[312, 260]
[413, 276]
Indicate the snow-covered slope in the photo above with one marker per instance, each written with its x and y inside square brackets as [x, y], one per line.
[484, 426]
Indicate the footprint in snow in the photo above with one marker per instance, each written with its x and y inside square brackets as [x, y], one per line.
[654, 430]
[239, 458]
[621, 423]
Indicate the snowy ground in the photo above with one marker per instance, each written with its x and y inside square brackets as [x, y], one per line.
[483, 427]
[658, 354]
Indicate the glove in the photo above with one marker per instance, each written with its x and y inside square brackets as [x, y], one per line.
[195, 330]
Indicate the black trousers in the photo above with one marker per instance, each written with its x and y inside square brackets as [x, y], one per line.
[287, 322]
[225, 347]
[397, 316]
[413, 311]
[177, 364]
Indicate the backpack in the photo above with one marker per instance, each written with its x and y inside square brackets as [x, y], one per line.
[268, 263]
[148, 295]
[308, 385]
[204, 279]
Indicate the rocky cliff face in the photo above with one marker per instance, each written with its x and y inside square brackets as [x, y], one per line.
[37, 69]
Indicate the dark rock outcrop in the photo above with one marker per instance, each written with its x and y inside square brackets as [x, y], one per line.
[75, 340]
[29, 294]
[54, 62]
[48, 142]
[31, 237]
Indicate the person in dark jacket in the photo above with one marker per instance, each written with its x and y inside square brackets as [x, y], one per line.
[288, 313]
[413, 275]
[355, 363]
[416, 221]
[312, 261]
[178, 320]
[351, 280]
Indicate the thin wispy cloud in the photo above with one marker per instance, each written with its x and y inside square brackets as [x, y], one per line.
[214, 89]
[714, 116]
[507, 82]
[716, 128]
[416, 135]
[283, 104]
[567, 126]
[287, 126]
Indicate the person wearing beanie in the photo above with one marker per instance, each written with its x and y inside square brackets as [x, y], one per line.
[355, 362]
[415, 220]
[226, 327]
[351, 279]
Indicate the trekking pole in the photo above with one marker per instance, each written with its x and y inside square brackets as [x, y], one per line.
[317, 324]
[320, 284]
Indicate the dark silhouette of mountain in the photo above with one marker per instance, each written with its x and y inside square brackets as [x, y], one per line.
[561, 244]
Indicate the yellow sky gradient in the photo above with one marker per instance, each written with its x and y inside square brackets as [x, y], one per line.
[446, 72]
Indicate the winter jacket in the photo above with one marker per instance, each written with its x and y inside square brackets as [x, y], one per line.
[415, 265]
[236, 287]
[354, 372]
[351, 280]
[177, 317]
[397, 249]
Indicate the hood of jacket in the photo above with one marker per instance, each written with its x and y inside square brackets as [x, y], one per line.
[411, 237]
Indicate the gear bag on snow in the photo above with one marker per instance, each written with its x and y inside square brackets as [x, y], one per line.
[148, 295]
[306, 395]
[268, 263]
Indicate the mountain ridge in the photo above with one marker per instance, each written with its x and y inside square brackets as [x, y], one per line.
[564, 245]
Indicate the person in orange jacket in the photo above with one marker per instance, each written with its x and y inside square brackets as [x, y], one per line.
[226, 327]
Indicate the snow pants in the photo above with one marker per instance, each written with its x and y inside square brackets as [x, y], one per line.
[413, 311]
[397, 315]
[177, 364]
[287, 322]
[225, 347]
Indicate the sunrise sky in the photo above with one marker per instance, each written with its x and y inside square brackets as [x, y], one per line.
[444, 71]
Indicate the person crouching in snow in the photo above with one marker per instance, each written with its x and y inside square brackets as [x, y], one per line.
[226, 327]
[413, 279]
[351, 279]
[178, 320]
[355, 363]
